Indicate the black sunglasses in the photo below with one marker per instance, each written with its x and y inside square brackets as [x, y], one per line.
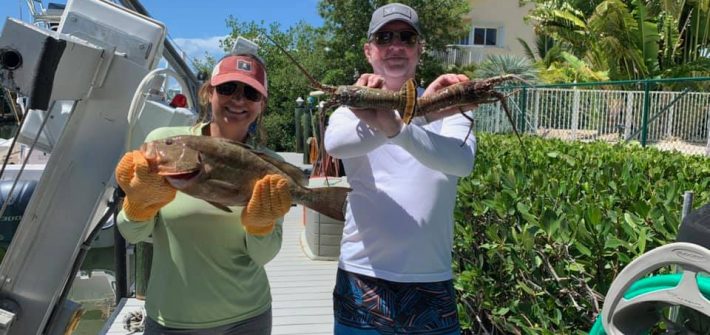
[229, 88]
[407, 37]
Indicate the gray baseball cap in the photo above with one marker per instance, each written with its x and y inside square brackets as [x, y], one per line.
[393, 12]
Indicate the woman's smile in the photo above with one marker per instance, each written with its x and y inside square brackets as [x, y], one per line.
[235, 112]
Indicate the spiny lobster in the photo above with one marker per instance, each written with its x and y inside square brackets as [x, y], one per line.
[451, 98]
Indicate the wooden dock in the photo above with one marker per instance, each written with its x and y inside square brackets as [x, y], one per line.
[302, 289]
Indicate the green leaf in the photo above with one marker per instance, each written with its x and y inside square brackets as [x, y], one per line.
[582, 248]
[524, 211]
[642, 241]
[501, 311]
[612, 243]
[526, 289]
[594, 215]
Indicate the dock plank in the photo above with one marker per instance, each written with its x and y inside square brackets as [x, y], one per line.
[302, 289]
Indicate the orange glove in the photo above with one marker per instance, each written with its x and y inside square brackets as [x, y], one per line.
[146, 192]
[269, 201]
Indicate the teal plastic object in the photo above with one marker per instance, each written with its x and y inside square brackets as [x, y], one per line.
[653, 284]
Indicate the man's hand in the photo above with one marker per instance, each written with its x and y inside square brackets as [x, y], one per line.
[388, 122]
[443, 81]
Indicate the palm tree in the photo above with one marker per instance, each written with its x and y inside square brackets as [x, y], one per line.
[496, 65]
[631, 38]
[612, 38]
[544, 45]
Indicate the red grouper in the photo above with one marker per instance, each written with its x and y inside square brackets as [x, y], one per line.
[223, 173]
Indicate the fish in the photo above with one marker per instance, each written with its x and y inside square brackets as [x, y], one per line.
[223, 172]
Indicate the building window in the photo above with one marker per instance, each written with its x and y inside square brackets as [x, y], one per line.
[481, 37]
[485, 36]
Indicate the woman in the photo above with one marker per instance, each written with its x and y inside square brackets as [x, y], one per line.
[208, 275]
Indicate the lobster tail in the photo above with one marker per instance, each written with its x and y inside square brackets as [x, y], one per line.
[409, 92]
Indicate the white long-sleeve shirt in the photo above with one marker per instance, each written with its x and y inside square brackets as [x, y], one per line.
[399, 219]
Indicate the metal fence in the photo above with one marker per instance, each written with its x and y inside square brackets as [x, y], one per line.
[461, 55]
[670, 114]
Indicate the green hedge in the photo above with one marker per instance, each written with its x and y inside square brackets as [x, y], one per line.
[541, 232]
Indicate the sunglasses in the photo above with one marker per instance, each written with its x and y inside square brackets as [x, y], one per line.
[248, 92]
[407, 37]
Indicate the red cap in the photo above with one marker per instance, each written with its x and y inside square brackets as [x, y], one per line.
[242, 69]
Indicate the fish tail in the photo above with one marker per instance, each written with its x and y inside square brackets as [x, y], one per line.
[329, 201]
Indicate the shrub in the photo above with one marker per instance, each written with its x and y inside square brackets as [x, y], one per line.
[542, 231]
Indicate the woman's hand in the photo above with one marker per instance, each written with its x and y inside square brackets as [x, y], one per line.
[146, 192]
[269, 201]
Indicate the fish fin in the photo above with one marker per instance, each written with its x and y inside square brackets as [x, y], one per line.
[287, 168]
[243, 145]
[409, 90]
[329, 201]
[228, 193]
[220, 206]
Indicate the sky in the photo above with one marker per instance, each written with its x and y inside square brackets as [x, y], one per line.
[197, 26]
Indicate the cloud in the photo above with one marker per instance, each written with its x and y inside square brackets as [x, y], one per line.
[195, 48]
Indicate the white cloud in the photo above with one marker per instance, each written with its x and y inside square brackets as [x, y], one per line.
[195, 48]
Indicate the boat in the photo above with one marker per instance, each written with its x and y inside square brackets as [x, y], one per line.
[86, 73]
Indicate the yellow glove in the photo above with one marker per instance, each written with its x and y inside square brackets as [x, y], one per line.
[269, 201]
[146, 192]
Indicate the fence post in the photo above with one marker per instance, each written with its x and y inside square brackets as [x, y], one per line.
[575, 112]
[646, 108]
[707, 147]
[307, 133]
[298, 111]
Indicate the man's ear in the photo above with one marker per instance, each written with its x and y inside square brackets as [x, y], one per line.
[367, 48]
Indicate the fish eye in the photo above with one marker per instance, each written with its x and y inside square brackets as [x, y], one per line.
[169, 141]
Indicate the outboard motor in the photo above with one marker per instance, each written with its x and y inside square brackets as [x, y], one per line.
[16, 204]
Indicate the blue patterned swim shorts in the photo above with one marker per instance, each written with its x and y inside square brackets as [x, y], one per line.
[369, 303]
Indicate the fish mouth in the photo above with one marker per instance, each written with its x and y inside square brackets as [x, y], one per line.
[182, 180]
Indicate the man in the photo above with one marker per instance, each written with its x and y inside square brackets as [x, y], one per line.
[394, 272]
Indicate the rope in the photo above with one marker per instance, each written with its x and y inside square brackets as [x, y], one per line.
[134, 322]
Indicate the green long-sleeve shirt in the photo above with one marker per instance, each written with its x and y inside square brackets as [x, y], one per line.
[207, 271]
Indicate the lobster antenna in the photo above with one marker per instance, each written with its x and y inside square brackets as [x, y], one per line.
[313, 81]
[502, 98]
